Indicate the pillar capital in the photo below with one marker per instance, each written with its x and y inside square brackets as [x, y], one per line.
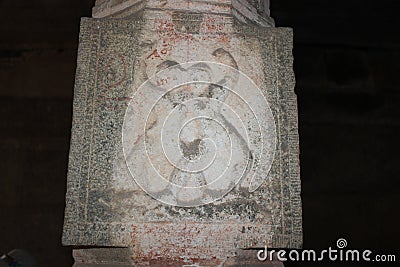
[244, 11]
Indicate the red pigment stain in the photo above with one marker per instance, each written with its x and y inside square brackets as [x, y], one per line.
[154, 54]
[137, 140]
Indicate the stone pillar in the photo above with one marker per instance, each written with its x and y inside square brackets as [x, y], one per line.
[184, 147]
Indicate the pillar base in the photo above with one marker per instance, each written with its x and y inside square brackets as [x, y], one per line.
[123, 257]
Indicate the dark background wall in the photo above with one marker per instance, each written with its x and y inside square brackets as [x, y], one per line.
[347, 67]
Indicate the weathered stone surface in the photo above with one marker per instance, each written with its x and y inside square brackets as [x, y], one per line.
[246, 11]
[108, 200]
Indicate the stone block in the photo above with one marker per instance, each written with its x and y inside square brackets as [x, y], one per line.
[165, 105]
